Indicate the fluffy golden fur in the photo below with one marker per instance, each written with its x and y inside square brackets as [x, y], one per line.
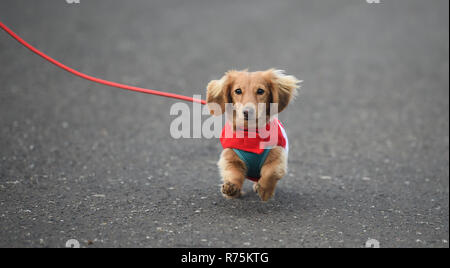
[245, 90]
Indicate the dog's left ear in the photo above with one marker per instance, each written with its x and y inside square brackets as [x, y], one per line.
[283, 87]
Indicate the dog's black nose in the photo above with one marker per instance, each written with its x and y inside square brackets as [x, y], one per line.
[248, 113]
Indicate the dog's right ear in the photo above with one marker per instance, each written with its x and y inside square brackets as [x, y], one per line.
[215, 97]
[218, 93]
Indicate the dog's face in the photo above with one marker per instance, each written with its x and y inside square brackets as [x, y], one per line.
[247, 91]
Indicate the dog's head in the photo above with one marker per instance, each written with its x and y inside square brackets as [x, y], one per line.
[246, 90]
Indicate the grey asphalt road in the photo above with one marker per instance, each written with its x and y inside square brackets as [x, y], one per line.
[369, 133]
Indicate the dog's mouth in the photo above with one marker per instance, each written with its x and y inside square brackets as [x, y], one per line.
[250, 121]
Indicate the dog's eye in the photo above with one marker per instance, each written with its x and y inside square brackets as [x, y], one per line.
[238, 91]
[260, 91]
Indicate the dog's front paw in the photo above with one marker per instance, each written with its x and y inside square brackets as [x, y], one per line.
[230, 190]
[264, 194]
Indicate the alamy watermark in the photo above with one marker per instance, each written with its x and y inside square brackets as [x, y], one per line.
[72, 243]
[372, 243]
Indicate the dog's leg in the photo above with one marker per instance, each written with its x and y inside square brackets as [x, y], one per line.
[272, 171]
[232, 170]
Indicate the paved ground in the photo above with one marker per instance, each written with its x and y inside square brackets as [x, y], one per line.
[369, 133]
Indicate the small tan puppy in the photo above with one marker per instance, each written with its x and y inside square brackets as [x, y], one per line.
[247, 152]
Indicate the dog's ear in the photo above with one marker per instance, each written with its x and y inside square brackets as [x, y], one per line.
[218, 93]
[283, 87]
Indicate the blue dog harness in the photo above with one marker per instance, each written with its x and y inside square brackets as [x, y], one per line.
[253, 162]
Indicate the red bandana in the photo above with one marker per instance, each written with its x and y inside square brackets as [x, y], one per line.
[251, 141]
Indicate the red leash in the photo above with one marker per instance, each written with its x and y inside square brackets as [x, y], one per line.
[95, 79]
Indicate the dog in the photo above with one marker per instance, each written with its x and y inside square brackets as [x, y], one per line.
[246, 154]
